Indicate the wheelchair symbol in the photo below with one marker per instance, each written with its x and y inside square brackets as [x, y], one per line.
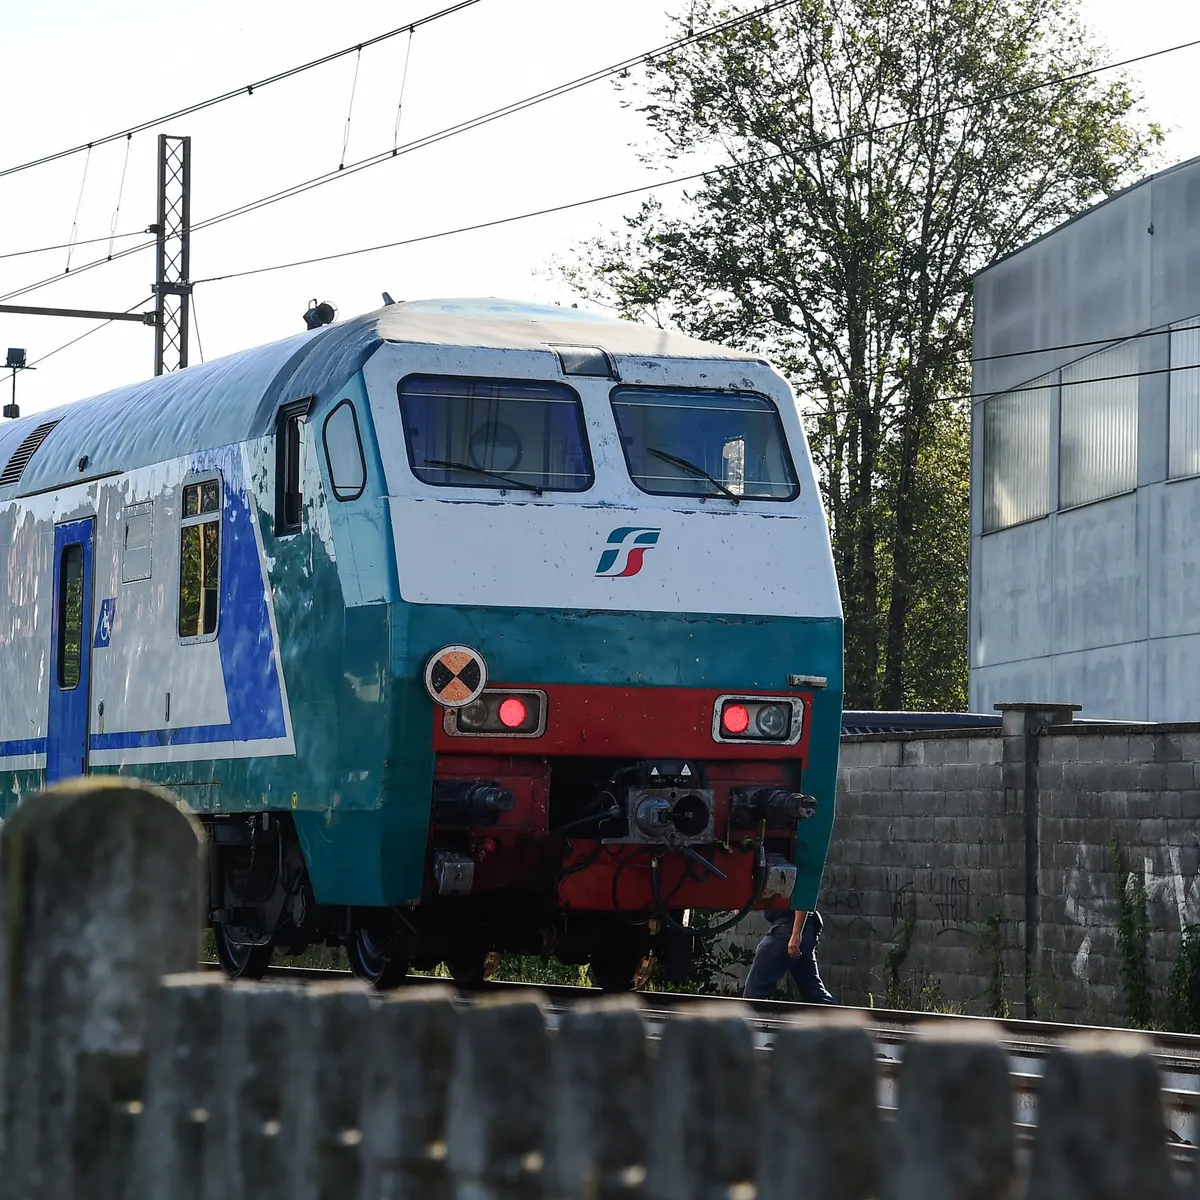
[104, 625]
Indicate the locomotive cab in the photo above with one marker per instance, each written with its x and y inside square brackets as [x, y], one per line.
[633, 550]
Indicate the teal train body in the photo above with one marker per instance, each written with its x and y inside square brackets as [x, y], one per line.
[464, 627]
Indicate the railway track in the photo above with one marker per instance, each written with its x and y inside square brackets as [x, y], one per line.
[1028, 1043]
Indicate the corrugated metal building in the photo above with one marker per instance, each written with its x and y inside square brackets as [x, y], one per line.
[1085, 462]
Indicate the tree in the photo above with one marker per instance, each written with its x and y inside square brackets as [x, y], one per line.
[871, 156]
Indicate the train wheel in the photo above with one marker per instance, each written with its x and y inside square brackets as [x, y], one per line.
[371, 961]
[471, 968]
[239, 961]
[620, 970]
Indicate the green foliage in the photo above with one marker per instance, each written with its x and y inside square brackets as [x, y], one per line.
[993, 943]
[935, 675]
[870, 173]
[1183, 987]
[515, 968]
[1133, 940]
[896, 993]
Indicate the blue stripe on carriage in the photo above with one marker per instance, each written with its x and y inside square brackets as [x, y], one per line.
[25, 746]
[184, 736]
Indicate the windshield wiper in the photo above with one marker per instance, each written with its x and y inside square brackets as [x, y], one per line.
[692, 467]
[459, 466]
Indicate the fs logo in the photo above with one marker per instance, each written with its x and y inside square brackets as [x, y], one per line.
[626, 552]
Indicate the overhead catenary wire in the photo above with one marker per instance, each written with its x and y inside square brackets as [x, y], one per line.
[400, 99]
[1086, 344]
[196, 328]
[112, 225]
[430, 139]
[244, 90]
[108, 237]
[1045, 387]
[78, 205]
[639, 189]
[678, 180]
[350, 110]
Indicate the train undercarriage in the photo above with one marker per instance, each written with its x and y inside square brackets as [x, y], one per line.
[582, 860]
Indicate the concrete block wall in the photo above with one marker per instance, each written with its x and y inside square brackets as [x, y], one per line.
[967, 862]
[926, 846]
[1141, 784]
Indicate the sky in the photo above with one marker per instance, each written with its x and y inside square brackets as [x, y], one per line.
[75, 71]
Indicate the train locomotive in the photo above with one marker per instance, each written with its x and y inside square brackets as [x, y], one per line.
[464, 627]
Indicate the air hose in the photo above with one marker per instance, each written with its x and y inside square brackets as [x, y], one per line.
[760, 884]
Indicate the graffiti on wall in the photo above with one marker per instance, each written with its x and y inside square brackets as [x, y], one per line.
[1091, 907]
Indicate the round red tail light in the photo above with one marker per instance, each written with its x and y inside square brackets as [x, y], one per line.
[735, 718]
[513, 713]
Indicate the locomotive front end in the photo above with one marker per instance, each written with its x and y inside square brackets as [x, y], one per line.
[618, 603]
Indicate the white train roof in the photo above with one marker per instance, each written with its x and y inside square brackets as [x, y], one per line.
[234, 399]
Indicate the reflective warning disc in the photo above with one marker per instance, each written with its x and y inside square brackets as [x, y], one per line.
[455, 676]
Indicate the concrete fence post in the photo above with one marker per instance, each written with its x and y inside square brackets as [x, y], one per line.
[819, 1132]
[105, 1123]
[174, 1148]
[329, 1051]
[499, 1101]
[602, 1115]
[704, 1141]
[253, 1146]
[954, 1136]
[407, 1096]
[1021, 726]
[100, 892]
[1101, 1133]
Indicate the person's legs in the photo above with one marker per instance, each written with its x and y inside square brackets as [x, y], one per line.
[804, 969]
[770, 964]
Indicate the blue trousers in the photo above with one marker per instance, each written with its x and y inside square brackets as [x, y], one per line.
[772, 962]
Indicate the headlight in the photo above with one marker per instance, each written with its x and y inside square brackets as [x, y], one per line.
[499, 712]
[758, 719]
[772, 721]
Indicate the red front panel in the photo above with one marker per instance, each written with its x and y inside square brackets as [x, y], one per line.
[625, 722]
[619, 880]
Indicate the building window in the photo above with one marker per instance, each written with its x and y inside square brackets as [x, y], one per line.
[137, 542]
[289, 501]
[344, 452]
[1016, 454]
[1184, 438]
[1098, 432]
[70, 616]
[200, 559]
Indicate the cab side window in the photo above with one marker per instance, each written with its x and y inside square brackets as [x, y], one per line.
[200, 559]
[289, 499]
[344, 452]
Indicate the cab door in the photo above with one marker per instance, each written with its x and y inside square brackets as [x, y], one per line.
[70, 651]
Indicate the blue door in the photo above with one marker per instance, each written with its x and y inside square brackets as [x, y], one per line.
[70, 651]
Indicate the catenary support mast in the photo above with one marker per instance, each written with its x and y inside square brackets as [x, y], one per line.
[172, 286]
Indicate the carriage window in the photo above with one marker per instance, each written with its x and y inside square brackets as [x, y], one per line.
[70, 616]
[137, 542]
[289, 501]
[492, 433]
[200, 559]
[344, 453]
[681, 442]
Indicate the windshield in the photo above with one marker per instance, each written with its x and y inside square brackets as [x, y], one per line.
[681, 442]
[495, 433]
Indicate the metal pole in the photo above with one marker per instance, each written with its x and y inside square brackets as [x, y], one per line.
[172, 287]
